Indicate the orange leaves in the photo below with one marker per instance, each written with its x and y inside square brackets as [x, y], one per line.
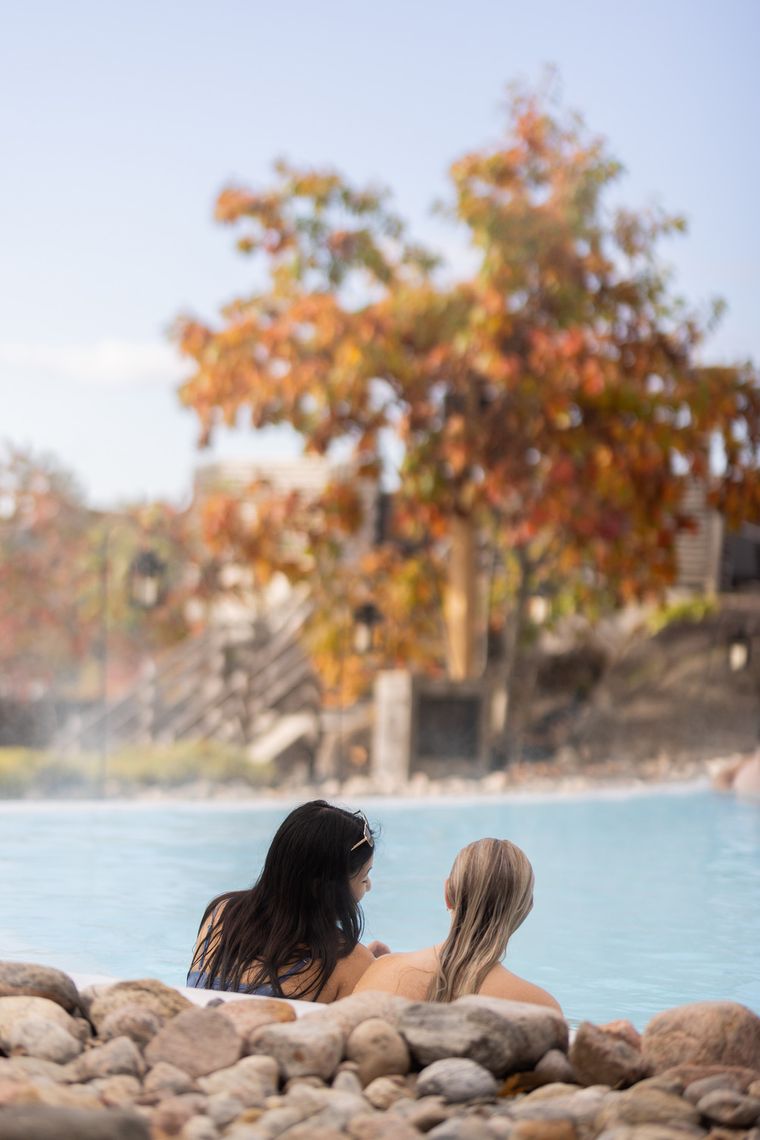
[544, 394]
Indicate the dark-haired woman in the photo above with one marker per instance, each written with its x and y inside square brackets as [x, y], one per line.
[296, 932]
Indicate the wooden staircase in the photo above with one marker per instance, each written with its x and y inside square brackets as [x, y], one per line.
[248, 684]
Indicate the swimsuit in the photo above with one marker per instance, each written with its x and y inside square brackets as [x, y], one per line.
[198, 978]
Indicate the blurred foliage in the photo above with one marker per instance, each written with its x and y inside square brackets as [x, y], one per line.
[64, 582]
[554, 399]
[30, 773]
[691, 609]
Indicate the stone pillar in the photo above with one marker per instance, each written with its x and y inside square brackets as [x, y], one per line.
[392, 733]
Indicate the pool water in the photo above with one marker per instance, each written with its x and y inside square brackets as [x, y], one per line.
[643, 900]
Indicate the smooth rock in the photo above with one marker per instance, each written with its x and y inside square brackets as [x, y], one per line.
[746, 783]
[353, 1010]
[424, 1113]
[172, 1114]
[555, 1067]
[199, 1128]
[543, 1130]
[165, 1077]
[703, 1033]
[251, 1080]
[118, 1056]
[385, 1091]
[248, 1016]
[462, 1128]
[311, 1046]
[222, 1108]
[695, 1090]
[366, 1127]
[118, 1091]
[147, 993]
[14, 1010]
[36, 1036]
[40, 1122]
[581, 1106]
[498, 1035]
[599, 1056]
[308, 1131]
[22, 1068]
[456, 1079]
[345, 1080]
[378, 1049]
[646, 1106]
[130, 1020]
[25, 979]
[734, 1109]
[199, 1041]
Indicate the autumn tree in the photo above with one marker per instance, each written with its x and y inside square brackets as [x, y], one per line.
[549, 406]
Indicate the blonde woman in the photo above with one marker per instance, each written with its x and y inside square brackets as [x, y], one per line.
[489, 894]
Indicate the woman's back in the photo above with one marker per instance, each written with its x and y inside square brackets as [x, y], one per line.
[489, 893]
[411, 975]
[296, 932]
[298, 979]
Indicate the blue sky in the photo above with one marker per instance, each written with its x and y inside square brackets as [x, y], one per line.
[119, 123]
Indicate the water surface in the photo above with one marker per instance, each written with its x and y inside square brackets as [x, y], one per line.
[643, 901]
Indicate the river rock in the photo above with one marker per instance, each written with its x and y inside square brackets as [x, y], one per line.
[24, 1068]
[25, 979]
[646, 1106]
[366, 1127]
[706, 1033]
[40, 1122]
[548, 1130]
[311, 1046]
[14, 1010]
[502, 1036]
[353, 1010]
[251, 1080]
[147, 993]
[164, 1077]
[378, 1049]
[36, 1036]
[199, 1041]
[248, 1016]
[456, 1079]
[133, 1021]
[728, 1079]
[173, 1113]
[347, 1079]
[117, 1091]
[554, 1067]
[199, 1128]
[462, 1128]
[734, 1109]
[120, 1055]
[385, 1091]
[601, 1056]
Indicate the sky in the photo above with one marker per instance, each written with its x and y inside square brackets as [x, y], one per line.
[119, 124]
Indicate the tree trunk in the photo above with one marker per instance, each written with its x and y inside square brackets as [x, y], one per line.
[461, 600]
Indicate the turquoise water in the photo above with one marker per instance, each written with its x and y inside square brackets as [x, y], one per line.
[643, 901]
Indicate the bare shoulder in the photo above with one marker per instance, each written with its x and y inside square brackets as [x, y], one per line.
[405, 974]
[504, 984]
[348, 972]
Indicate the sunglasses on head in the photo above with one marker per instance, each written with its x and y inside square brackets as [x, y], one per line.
[367, 837]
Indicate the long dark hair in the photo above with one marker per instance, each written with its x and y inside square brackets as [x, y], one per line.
[300, 908]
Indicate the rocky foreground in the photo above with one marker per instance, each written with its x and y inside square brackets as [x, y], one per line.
[137, 1061]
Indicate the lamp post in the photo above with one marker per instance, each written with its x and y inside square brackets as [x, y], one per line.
[365, 620]
[146, 588]
[739, 659]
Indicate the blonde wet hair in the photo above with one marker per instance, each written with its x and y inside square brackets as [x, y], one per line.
[490, 894]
